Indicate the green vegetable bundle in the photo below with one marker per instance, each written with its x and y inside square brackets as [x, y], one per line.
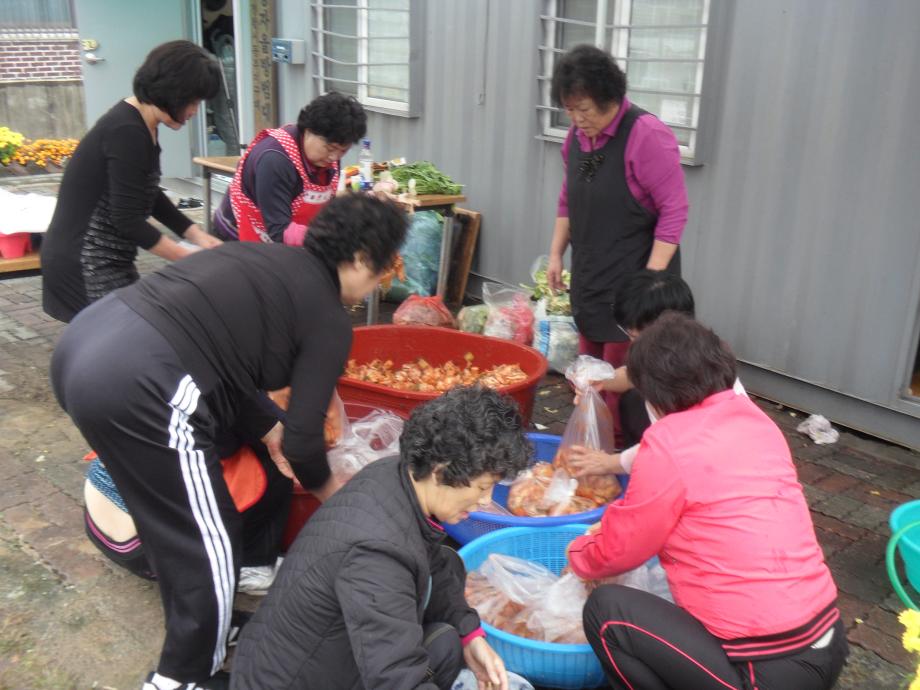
[556, 304]
[428, 179]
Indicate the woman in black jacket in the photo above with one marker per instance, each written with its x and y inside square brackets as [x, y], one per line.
[368, 597]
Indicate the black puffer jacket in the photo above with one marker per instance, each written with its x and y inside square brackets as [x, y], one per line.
[347, 608]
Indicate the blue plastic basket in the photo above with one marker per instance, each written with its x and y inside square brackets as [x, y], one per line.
[479, 523]
[567, 666]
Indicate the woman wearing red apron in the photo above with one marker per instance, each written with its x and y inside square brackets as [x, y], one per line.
[288, 174]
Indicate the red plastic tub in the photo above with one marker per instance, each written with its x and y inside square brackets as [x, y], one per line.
[303, 503]
[436, 345]
[15, 245]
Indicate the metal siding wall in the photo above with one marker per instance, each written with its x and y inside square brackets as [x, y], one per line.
[485, 47]
[803, 243]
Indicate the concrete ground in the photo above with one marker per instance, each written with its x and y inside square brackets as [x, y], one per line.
[69, 619]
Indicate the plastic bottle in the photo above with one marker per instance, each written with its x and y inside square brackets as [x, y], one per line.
[366, 162]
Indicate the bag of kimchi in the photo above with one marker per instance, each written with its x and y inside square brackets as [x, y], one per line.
[424, 311]
[591, 426]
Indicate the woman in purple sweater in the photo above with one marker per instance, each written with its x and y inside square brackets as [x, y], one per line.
[623, 203]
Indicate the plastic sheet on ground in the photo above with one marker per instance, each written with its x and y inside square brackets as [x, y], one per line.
[819, 429]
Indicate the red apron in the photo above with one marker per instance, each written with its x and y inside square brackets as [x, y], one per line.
[304, 207]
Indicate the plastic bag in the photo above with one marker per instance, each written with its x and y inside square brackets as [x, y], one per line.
[590, 426]
[501, 589]
[543, 490]
[380, 430]
[371, 438]
[421, 255]
[510, 315]
[517, 579]
[423, 311]
[556, 616]
[555, 337]
[526, 599]
[649, 577]
[819, 429]
[473, 318]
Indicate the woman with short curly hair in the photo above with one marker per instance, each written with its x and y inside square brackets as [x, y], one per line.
[369, 596]
[289, 173]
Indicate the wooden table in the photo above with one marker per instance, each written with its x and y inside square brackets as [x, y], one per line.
[209, 164]
[29, 262]
[444, 203]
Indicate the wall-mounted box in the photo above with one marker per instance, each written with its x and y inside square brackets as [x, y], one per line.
[288, 50]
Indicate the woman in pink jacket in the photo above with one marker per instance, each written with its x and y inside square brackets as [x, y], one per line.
[714, 494]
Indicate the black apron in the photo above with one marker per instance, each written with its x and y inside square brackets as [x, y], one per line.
[611, 233]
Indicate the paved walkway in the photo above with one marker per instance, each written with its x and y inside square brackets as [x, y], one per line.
[68, 619]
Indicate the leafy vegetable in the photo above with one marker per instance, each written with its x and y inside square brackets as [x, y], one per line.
[428, 179]
[557, 304]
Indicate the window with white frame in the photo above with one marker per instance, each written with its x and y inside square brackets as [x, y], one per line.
[660, 44]
[370, 49]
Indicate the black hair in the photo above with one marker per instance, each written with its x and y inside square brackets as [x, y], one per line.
[175, 75]
[647, 294]
[678, 362]
[337, 118]
[588, 71]
[358, 224]
[466, 432]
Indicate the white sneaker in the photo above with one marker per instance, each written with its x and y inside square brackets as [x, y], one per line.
[256, 580]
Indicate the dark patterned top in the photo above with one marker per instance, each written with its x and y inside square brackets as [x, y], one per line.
[109, 190]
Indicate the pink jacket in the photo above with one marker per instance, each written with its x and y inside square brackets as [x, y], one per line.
[714, 494]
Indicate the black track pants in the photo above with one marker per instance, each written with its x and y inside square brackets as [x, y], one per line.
[124, 387]
[647, 643]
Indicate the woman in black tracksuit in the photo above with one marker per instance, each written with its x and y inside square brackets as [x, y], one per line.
[152, 374]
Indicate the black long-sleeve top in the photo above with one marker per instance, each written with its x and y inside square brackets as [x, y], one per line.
[247, 317]
[109, 190]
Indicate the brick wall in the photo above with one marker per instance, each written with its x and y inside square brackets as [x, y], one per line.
[39, 57]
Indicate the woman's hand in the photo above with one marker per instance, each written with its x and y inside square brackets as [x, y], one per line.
[554, 273]
[272, 441]
[196, 235]
[599, 386]
[586, 462]
[486, 665]
[620, 383]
